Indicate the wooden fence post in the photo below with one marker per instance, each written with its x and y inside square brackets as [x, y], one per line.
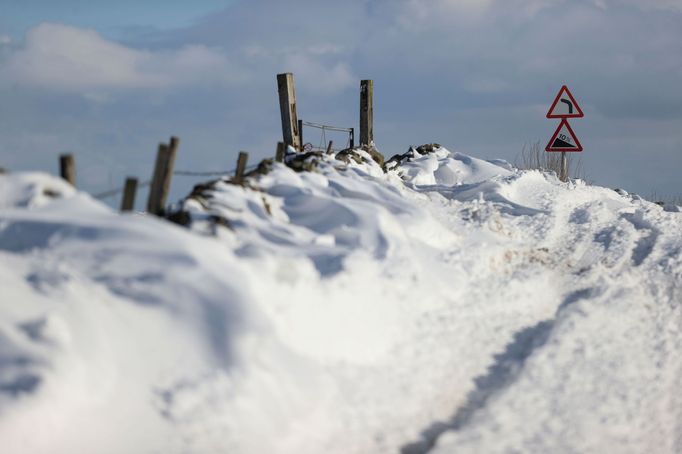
[163, 172]
[300, 133]
[287, 107]
[153, 201]
[281, 150]
[366, 112]
[329, 147]
[172, 153]
[241, 166]
[67, 168]
[129, 190]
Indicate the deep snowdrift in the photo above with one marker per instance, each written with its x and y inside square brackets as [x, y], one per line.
[451, 305]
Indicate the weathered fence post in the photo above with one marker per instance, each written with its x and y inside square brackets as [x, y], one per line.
[163, 172]
[154, 200]
[287, 107]
[281, 150]
[329, 147]
[241, 167]
[300, 134]
[366, 112]
[67, 168]
[129, 190]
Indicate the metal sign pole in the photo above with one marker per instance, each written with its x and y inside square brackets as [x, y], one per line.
[564, 164]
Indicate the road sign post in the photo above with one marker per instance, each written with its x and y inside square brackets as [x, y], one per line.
[564, 139]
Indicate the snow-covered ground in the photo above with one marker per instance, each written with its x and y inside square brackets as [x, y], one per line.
[449, 305]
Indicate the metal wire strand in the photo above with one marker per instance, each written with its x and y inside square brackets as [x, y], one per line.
[184, 173]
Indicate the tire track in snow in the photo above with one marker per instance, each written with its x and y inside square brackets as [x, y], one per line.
[632, 241]
[647, 241]
[507, 366]
[573, 247]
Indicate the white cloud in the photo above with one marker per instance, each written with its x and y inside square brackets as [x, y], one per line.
[317, 76]
[425, 13]
[419, 11]
[645, 5]
[69, 59]
[320, 68]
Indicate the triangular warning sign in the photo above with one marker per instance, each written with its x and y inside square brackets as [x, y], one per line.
[565, 106]
[564, 139]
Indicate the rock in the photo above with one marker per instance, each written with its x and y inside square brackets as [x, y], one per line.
[264, 167]
[375, 154]
[428, 148]
[52, 193]
[303, 162]
[347, 154]
[180, 217]
[398, 159]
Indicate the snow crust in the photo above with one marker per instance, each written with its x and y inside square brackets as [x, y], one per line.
[451, 305]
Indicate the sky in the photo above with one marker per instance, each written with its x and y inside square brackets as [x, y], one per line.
[108, 81]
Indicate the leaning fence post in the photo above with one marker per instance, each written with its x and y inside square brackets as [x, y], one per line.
[366, 112]
[287, 107]
[241, 166]
[129, 190]
[163, 172]
[67, 168]
[279, 154]
[329, 147]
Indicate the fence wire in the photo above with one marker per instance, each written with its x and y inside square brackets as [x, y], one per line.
[327, 127]
[322, 146]
[182, 173]
[113, 192]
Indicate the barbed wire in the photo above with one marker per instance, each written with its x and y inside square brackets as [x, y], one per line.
[113, 192]
[190, 173]
[184, 173]
[209, 173]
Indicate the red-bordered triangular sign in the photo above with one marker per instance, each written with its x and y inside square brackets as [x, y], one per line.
[564, 139]
[565, 106]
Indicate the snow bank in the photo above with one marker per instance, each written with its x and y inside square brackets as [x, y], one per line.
[450, 305]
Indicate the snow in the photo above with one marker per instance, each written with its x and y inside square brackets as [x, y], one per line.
[452, 304]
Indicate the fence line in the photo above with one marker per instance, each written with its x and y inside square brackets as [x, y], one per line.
[113, 192]
[183, 173]
[191, 173]
[322, 146]
[327, 127]
[292, 130]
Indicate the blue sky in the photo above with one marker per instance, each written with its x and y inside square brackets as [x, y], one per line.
[112, 19]
[110, 82]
